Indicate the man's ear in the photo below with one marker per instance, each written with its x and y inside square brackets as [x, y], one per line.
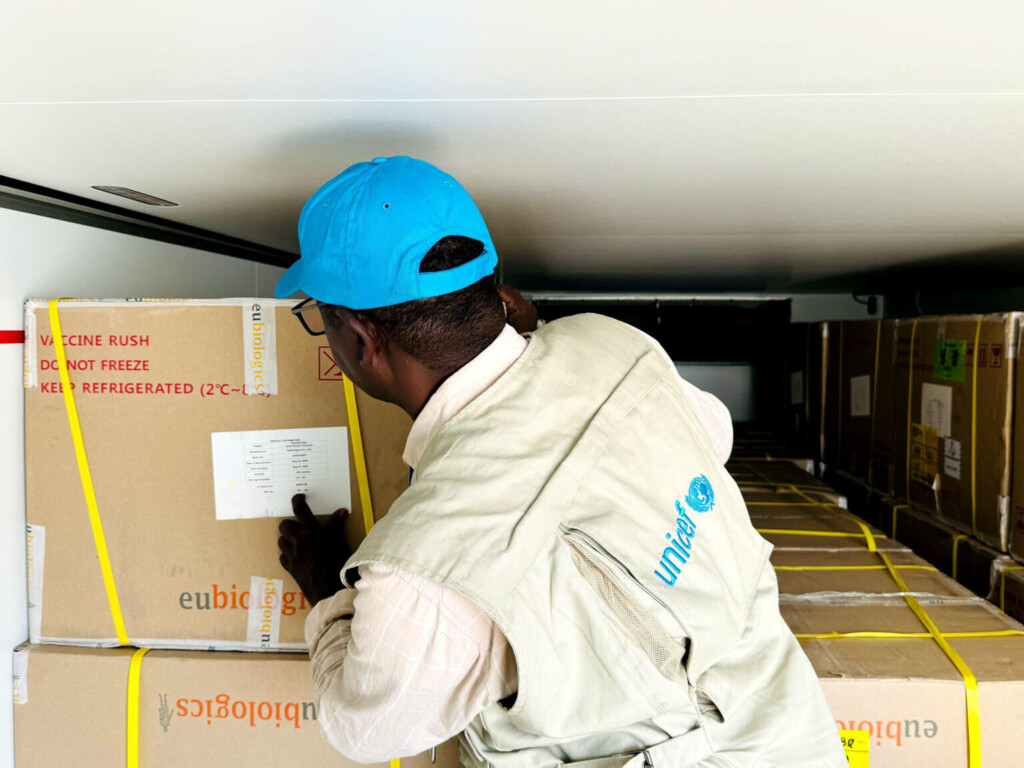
[371, 340]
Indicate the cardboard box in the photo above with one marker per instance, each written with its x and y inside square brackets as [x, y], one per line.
[970, 562]
[939, 412]
[797, 364]
[1008, 589]
[156, 384]
[806, 358]
[1017, 501]
[864, 379]
[195, 708]
[903, 691]
[783, 472]
[826, 528]
[832, 389]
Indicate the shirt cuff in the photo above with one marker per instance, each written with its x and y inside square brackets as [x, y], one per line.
[325, 613]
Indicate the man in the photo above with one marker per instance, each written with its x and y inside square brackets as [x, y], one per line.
[571, 577]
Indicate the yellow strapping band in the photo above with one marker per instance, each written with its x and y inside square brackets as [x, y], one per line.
[359, 457]
[874, 407]
[974, 426]
[86, 476]
[956, 548]
[910, 396]
[794, 532]
[970, 681]
[895, 516]
[865, 532]
[1002, 585]
[907, 635]
[853, 567]
[362, 479]
[134, 681]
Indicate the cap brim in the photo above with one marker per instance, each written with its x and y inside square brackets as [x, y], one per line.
[289, 282]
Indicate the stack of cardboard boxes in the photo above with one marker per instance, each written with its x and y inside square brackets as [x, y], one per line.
[859, 603]
[199, 420]
[920, 421]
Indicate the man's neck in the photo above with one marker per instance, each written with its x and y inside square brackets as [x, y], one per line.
[421, 382]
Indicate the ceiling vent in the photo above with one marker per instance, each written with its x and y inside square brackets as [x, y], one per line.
[137, 197]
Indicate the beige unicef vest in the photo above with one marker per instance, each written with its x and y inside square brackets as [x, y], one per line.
[575, 491]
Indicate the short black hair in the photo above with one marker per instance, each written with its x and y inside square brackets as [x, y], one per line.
[446, 332]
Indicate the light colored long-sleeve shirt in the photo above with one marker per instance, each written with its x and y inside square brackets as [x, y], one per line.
[416, 662]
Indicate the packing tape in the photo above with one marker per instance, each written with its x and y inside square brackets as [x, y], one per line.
[362, 479]
[874, 406]
[910, 395]
[134, 675]
[83, 470]
[974, 426]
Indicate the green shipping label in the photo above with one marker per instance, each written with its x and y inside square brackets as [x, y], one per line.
[950, 355]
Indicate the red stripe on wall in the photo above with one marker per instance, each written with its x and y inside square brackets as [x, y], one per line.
[12, 337]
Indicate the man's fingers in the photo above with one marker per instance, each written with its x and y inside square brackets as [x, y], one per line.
[338, 514]
[283, 559]
[290, 527]
[287, 546]
[302, 511]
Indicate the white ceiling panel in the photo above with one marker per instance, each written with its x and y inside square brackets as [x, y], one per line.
[466, 49]
[727, 144]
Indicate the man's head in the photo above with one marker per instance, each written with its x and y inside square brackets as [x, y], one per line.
[425, 340]
[402, 265]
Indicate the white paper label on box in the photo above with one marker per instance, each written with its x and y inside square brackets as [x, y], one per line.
[860, 395]
[951, 457]
[796, 388]
[35, 553]
[31, 374]
[260, 331]
[264, 625]
[20, 675]
[937, 407]
[255, 474]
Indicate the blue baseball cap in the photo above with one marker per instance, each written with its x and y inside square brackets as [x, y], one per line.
[363, 234]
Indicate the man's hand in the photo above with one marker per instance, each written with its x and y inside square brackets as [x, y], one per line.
[522, 315]
[314, 552]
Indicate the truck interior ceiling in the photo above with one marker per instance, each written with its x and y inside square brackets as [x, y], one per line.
[815, 210]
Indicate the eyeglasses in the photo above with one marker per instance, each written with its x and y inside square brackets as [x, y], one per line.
[309, 315]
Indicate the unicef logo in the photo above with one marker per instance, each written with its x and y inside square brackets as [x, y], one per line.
[701, 497]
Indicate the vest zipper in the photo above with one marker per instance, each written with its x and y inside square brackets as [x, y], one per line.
[581, 536]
